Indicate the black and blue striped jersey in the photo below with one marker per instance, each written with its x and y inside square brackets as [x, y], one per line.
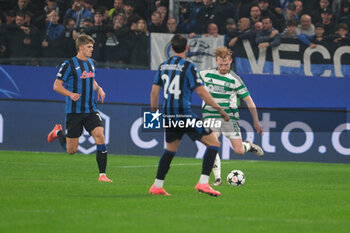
[79, 78]
[179, 78]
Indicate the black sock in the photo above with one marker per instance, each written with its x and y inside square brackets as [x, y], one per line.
[208, 159]
[61, 139]
[164, 164]
[101, 158]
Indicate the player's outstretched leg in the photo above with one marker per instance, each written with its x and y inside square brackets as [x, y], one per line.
[56, 132]
[53, 134]
[208, 162]
[163, 168]
[217, 171]
[101, 158]
[255, 149]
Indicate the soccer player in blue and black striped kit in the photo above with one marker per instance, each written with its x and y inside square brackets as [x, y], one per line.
[179, 78]
[78, 75]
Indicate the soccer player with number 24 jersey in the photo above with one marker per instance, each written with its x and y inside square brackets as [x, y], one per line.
[179, 78]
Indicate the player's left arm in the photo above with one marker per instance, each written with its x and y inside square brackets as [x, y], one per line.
[254, 113]
[100, 93]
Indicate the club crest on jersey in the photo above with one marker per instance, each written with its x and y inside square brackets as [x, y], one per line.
[87, 75]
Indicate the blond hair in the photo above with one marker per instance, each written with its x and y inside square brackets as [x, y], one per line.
[222, 52]
[83, 39]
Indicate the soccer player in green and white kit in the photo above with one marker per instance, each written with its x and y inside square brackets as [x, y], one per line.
[224, 86]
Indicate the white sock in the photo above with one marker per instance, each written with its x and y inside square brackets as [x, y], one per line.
[246, 146]
[217, 167]
[204, 179]
[102, 174]
[158, 183]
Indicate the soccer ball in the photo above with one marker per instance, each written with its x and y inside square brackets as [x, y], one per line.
[236, 178]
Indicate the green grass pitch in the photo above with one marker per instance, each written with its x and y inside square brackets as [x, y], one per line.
[53, 192]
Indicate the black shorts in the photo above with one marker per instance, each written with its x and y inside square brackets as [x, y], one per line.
[195, 133]
[75, 123]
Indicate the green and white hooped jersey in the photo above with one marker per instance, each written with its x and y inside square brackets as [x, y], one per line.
[224, 90]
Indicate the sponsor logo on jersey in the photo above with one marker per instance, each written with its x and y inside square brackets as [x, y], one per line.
[87, 75]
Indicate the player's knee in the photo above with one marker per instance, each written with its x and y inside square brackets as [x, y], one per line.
[72, 151]
[99, 138]
[215, 143]
[239, 151]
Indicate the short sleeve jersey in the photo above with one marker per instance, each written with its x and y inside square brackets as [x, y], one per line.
[179, 78]
[78, 77]
[224, 90]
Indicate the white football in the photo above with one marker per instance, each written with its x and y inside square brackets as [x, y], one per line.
[236, 178]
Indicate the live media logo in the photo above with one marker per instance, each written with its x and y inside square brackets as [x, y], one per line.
[152, 120]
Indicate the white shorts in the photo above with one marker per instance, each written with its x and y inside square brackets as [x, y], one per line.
[229, 129]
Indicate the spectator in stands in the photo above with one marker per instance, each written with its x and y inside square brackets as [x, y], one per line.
[244, 32]
[258, 26]
[98, 33]
[172, 26]
[117, 46]
[255, 14]
[116, 10]
[291, 12]
[244, 7]
[156, 23]
[223, 11]
[68, 37]
[231, 25]
[27, 5]
[22, 41]
[343, 15]
[89, 4]
[268, 36]
[327, 21]
[316, 14]
[231, 29]
[10, 17]
[53, 31]
[35, 35]
[277, 23]
[188, 16]
[280, 6]
[88, 23]
[154, 4]
[341, 36]
[299, 10]
[128, 7]
[51, 5]
[305, 26]
[139, 54]
[205, 16]
[79, 13]
[105, 15]
[212, 30]
[319, 33]
[163, 11]
[313, 40]
[290, 31]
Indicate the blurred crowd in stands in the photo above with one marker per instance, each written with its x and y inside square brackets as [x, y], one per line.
[121, 28]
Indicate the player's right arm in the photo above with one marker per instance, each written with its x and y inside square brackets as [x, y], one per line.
[154, 97]
[59, 88]
[62, 77]
[204, 94]
[156, 87]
